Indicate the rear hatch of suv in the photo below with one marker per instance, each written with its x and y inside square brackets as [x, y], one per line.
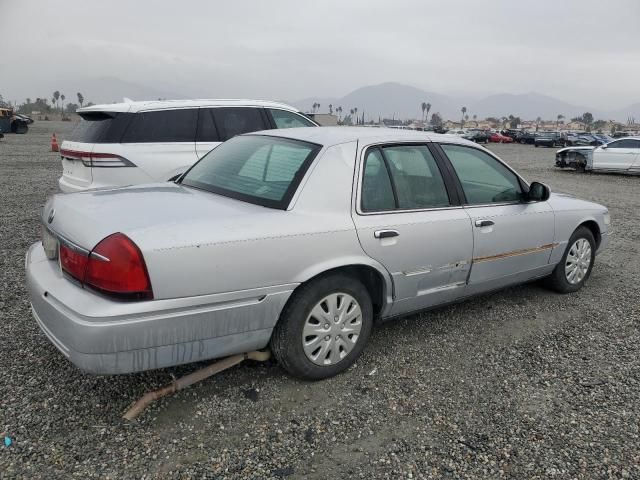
[77, 152]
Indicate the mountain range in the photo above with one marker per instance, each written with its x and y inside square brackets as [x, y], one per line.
[385, 100]
[389, 100]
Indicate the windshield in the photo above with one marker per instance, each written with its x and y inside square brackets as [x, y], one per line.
[254, 168]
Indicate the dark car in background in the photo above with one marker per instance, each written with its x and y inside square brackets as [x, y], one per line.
[525, 137]
[478, 136]
[547, 139]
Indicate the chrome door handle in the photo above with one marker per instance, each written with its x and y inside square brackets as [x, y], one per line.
[484, 223]
[385, 233]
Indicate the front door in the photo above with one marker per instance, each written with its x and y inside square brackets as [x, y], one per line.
[617, 155]
[407, 221]
[512, 239]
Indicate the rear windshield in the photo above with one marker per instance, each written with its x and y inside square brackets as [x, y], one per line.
[100, 127]
[258, 169]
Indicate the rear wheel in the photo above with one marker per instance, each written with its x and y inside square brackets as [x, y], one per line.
[574, 269]
[324, 327]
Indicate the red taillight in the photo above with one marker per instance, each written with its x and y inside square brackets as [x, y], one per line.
[115, 267]
[96, 159]
[73, 261]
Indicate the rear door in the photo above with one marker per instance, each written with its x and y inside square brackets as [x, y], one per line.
[219, 124]
[409, 219]
[512, 239]
[618, 155]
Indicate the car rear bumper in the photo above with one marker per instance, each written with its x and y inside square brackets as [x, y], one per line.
[106, 337]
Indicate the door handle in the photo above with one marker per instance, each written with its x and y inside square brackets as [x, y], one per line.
[385, 233]
[484, 223]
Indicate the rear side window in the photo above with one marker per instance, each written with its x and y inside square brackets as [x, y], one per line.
[402, 177]
[234, 121]
[377, 193]
[162, 126]
[416, 176]
[285, 119]
[100, 127]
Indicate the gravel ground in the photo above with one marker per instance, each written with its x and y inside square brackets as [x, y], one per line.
[523, 383]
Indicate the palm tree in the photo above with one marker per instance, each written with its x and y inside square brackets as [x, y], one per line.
[56, 96]
[538, 120]
[80, 99]
[339, 112]
[428, 108]
[355, 113]
[560, 117]
[424, 107]
[330, 109]
[28, 100]
[62, 108]
[463, 110]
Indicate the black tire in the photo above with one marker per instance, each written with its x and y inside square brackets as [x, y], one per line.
[557, 280]
[286, 340]
[535, 145]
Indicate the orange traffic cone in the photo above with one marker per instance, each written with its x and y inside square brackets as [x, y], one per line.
[54, 143]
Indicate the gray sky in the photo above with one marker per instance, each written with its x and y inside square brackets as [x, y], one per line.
[583, 52]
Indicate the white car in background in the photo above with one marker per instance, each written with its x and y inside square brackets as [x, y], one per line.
[141, 142]
[619, 156]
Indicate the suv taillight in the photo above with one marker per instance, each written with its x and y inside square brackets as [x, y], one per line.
[115, 267]
[94, 159]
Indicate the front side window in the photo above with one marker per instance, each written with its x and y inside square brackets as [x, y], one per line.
[625, 143]
[484, 179]
[285, 119]
[402, 177]
[254, 168]
[232, 121]
[162, 126]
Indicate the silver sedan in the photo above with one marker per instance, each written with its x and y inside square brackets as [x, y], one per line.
[296, 240]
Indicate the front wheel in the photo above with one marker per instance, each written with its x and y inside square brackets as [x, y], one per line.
[323, 328]
[574, 269]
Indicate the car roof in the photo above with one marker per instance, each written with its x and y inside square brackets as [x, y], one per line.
[328, 136]
[133, 107]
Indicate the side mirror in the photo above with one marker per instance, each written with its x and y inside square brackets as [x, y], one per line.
[538, 192]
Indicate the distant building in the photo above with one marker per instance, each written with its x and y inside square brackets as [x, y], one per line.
[324, 119]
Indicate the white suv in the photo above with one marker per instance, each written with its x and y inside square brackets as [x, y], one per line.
[143, 142]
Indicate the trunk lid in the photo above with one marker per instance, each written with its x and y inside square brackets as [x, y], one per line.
[155, 216]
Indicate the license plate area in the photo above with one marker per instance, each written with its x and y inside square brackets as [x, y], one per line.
[75, 169]
[50, 244]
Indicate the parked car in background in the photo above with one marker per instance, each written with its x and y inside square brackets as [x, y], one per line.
[547, 139]
[619, 156]
[152, 276]
[141, 142]
[513, 133]
[500, 138]
[525, 137]
[10, 122]
[457, 132]
[476, 135]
